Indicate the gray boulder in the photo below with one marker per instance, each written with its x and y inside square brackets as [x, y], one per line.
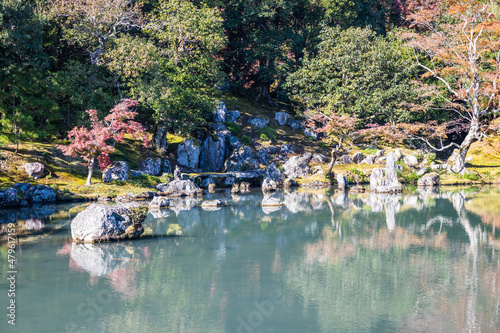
[259, 122]
[206, 182]
[118, 170]
[318, 159]
[342, 181]
[273, 172]
[296, 124]
[281, 118]
[35, 170]
[161, 187]
[397, 154]
[410, 160]
[220, 113]
[159, 202]
[310, 133]
[391, 183]
[345, 159]
[188, 154]
[9, 198]
[430, 179]
[370, 159]
[43, 194]
[237, 159]
[295, 167]
[421, 171]
[212, 156]
[100, 223]
[233, 143]
[379, 153]
[150, 166]
[358, 157]
[263, 156]
[376, 178]
[233, 116]
[287, 149]
[269, 185]
[179, 188]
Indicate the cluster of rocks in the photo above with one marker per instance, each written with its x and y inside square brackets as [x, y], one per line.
[24, 194]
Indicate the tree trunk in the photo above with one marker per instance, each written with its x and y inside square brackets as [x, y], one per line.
[456, 161]
[91, 171]
[332, 162]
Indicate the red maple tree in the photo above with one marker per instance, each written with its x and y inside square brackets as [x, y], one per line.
[98, 141]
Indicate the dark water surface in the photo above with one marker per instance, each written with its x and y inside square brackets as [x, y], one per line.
[325, 262]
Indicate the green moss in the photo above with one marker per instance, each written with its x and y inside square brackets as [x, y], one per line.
[246, 140]
[268, 133]
[234, 128]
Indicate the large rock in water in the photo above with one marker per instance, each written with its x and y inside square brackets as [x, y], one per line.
[376, 178]
[342, 181]
[179, 188]
[119, 170]
[35, 170]
[188, 154]
[150, 166]
[273, 172]
[391, 183]
[296, 167]
[43, 193]
[99, 223]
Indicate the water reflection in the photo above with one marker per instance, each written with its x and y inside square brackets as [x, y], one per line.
[424, 261]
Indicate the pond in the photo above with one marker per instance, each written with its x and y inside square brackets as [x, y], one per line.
[424, 261]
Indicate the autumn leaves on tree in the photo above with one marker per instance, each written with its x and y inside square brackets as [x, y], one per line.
[461, 44]
[98, 141]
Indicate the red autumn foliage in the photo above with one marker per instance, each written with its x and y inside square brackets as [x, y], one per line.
[98, 141]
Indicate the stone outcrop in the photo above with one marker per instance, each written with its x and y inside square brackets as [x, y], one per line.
[220, 113]
[159, 202]
[296, 167]
[259, 122]
[370, 159]
[213, 150]
[233, 116]
[342, 181]
[287, 149]
[345, 159]
[269, 185]
[296, 124]
[178, 188]
[430, 179]
[358, 157]
[188, 154]
[310, 133]
[238, 158]
[376, 178]
[150, 166]
[24, 194]
[263, 156]
[35, 170]
[281, 118]
[390, 184]
[99, 223]
[410, 160]
[118, 170]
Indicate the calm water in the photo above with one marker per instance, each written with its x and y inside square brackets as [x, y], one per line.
[325, 262]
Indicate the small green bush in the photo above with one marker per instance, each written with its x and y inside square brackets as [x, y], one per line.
[246, 140]
[431, 157]
[234, 128]
[267, 133]
[369, 151]
[411, 177]
[472, 176]
[322, 144]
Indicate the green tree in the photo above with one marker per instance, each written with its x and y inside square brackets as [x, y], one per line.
[358, 73]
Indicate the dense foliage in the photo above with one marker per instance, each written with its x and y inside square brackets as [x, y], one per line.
[331, 57]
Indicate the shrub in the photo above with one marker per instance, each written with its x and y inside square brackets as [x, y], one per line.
[267, 133]
[246, 140]
[431, 157]
[234, 128]
[322, 144]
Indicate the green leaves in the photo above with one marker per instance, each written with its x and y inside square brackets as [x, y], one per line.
[356, 72]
